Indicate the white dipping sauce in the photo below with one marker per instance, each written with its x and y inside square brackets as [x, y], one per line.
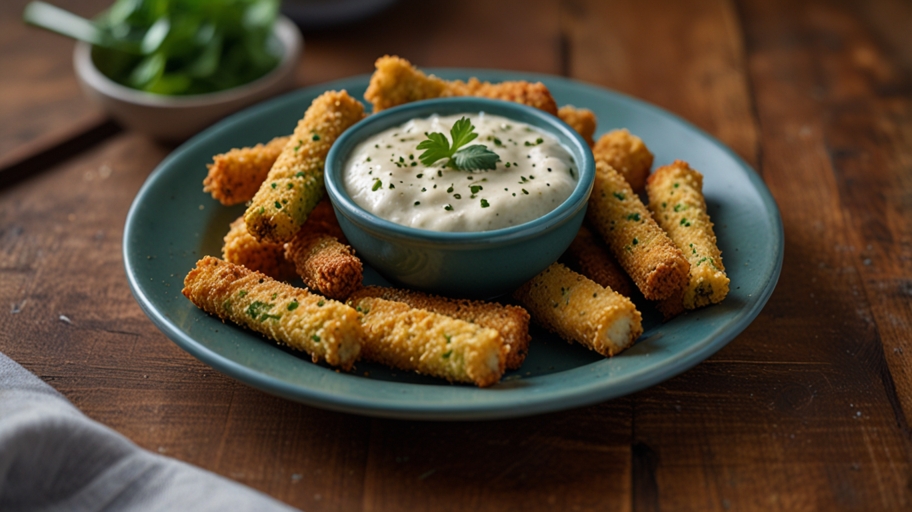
[535, 175]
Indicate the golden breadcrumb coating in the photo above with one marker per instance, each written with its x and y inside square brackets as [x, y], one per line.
[396, 81]
[294, 185]
[512, 322]
[325, 329]
[322, 219]
[677, 202]
[627, 154]
[650, 258]
[234, 177]
[580, 310]
[672, 306]
[326, 265]
[266, 257]
[397, 335]
[528, 93]
[588, 254]
[580, 119]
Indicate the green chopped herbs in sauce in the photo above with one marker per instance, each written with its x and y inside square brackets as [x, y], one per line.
[443, 151]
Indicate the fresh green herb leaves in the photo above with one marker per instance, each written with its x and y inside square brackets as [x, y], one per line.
[475, 156]
[174, 47]
[436, 147]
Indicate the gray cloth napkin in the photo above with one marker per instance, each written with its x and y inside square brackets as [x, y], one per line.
[52, 457]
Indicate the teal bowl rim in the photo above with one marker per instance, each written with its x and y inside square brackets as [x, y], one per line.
[341, 149]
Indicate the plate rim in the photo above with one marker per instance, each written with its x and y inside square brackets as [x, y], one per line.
[645, 376]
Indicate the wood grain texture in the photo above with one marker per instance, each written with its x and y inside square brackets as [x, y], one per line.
[41, 104]
[791, 367]
[806, 410]
[513, 34]
[554, 461]
[683, 56]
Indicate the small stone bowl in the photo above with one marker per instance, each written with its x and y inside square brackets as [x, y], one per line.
[482, 264]
[176, 118]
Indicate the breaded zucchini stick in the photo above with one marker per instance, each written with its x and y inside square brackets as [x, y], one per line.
[592, 259]
[650, 258]
[672, 306]
[323, 219]
[528, 93]
[397, 335]
[580, 119]
[234, 177]
[627, 154]
[266, 257]
[512, 322]
[396, 81]
[294, 185]
[326, 265]
[325, 329]
[580, 310]
[676, 198]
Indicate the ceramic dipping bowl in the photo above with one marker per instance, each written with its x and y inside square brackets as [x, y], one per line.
[482, 264]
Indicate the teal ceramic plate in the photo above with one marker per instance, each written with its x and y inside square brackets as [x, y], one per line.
[172, 223]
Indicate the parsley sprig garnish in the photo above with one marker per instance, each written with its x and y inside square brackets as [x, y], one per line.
[477, 156]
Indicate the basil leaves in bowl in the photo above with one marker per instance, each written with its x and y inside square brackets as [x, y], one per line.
[170, 68]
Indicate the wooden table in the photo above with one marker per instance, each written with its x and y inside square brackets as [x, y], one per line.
[806, 410]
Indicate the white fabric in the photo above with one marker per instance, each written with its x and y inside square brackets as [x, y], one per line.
[54, 458]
